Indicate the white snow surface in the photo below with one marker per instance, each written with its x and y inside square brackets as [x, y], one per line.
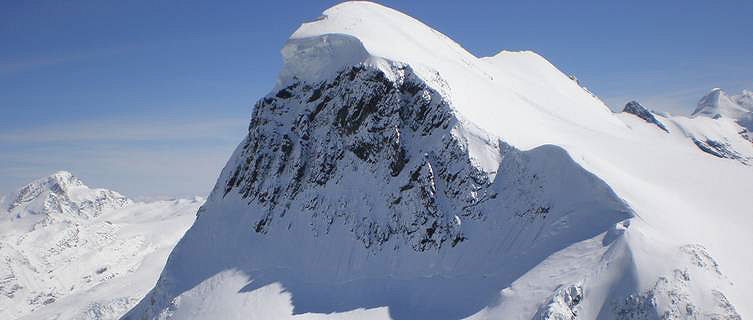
[522, 196]
[72, 252]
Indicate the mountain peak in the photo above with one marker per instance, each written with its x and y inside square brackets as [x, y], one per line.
[61, 180]
[635, 108]
[632, 104]
[63, 193]
[717, 104]
[360, 32]
[62, 174]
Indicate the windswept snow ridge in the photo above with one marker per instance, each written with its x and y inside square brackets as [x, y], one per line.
[71, 252]
[392, 174]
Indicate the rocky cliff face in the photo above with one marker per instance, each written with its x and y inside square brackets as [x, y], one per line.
[635, 108]
[363, 129]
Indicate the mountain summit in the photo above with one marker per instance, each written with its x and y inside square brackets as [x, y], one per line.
[717, 103]
[737, 109]
[63, 195]
[392, 174]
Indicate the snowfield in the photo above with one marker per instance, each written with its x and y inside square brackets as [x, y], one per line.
[72, 252]
[392, 174]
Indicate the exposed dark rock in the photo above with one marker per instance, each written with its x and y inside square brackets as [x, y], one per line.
[635, 108]
[363, 121]
[721, 150]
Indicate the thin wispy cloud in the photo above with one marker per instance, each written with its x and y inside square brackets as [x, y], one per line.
[139, 157]
[14, 65]
[20, 65]
[125, 130]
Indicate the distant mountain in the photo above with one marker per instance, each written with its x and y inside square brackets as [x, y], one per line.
[717, 104]
[745, 100]
[68, 251]
[62, 196]
[719, 126]
[392, 174]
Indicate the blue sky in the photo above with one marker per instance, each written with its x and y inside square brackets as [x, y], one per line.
[151, 97]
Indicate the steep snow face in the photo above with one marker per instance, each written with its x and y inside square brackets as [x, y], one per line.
[392, 174]
[71, 252]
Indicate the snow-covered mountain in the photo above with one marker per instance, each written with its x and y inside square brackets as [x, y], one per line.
[718, 104]
[61, 196]
[720, 125]
[72, 252]
[392, 174]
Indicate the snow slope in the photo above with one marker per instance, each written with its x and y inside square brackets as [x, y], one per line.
[72, 252]
[392, 174]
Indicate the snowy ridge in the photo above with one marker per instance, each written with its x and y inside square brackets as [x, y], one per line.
[71, 252]
[418, 181]
[342, 37]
